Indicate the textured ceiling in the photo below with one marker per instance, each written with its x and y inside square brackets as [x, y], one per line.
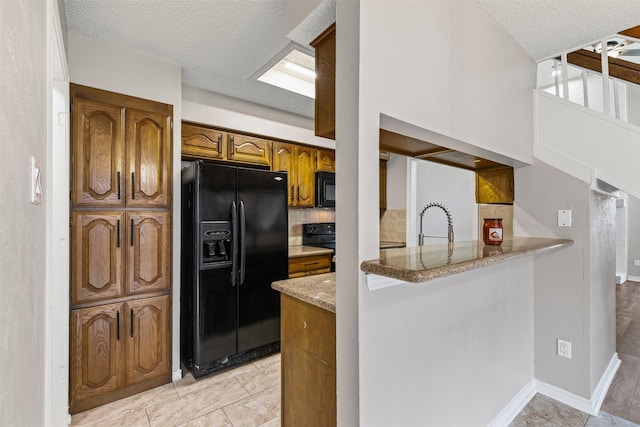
[549, 27]
[220, 44]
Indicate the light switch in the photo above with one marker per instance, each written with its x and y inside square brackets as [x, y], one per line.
[564, 218]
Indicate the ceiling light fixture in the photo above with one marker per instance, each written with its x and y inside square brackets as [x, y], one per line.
[299, 69]
[292, 69]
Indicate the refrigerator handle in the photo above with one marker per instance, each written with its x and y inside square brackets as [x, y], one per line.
[234, 243]
[243, 251]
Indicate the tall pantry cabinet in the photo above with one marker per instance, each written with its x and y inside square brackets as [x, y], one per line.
[120, 246]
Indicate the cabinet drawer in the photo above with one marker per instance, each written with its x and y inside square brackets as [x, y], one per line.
[309, 265]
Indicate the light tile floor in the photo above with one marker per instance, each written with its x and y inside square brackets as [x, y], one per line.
[544, 412]
[246, 396]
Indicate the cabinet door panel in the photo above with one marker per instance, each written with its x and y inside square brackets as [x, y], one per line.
[283, 158]
[202, 142]
[97, 351]
[148, 339]
[149, 241]
[249, 149]
[98, 144]
[305, 172]
[326, 161]
[149, 157]
[96, 256]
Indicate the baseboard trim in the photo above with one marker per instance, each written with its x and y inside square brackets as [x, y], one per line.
[633, 278]
[513, 408]
[176, 375]
[590, 406]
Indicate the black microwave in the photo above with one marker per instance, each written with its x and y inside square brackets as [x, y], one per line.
[325, 189]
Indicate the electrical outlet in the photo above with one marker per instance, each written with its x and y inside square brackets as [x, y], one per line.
[564, 348]
[636, 262]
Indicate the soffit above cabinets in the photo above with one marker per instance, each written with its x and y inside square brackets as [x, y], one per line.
[413, 147]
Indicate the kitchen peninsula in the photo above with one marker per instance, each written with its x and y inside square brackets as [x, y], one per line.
[308, 313]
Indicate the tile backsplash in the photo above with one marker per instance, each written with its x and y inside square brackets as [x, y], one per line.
[393, 225]
[297, 217]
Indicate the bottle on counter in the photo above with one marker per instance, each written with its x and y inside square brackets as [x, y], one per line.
[492, 231]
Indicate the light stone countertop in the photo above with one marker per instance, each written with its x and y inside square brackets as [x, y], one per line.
[318, 290]
[301, 250]
[419, 264]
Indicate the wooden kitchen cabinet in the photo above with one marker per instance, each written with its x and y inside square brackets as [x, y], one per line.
[100, 240]
[147, 343]
[204, 142]
[97, 255]
[383, 186]
[148, 146]
[308, 352]
[201, 142]
[299, 163]
[118, 350]
[309, 265]
[121, 150]
[325, 103]
[149, 251]
[249, 149]
[121, 161]
[325, 161]
[97, 352]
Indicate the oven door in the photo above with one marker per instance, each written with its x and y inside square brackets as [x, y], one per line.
[325, 189]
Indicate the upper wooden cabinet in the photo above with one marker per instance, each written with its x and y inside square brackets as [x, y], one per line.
[325, 105]
[98, 153]
[249, 149]
[121, 150]
[326, 160]
[383, 186]
[203, 142]
[148, 146]
[299, 162]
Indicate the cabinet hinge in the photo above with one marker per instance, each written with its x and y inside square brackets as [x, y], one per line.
[171, 124]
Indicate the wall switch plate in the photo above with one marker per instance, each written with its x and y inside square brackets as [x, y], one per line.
[564, 218]
[636, 262]
[564, 348]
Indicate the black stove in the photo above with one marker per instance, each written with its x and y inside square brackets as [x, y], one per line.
[320, 235]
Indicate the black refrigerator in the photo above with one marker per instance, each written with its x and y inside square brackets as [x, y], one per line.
[234, 244]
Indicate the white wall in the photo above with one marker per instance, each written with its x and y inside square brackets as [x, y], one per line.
[412, 71]
[23, 130]
[118, 70]
[574, 297]
[415, 72]
[634, 238]
[456, 189]
[603, 144]
[448, 352]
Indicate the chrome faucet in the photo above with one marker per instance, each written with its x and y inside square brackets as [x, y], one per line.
[449, 220]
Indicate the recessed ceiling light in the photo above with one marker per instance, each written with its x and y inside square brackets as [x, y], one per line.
[292, 70]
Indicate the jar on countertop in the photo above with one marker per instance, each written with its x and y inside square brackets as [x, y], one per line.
[492, 231]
